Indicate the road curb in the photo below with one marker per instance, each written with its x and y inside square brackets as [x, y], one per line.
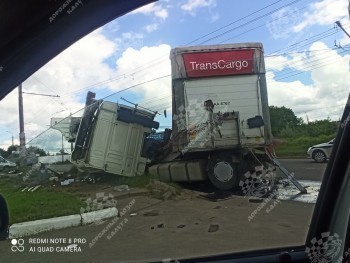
[88, 218]
[44, 225]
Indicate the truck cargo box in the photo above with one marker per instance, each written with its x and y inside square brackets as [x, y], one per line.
[219, 98]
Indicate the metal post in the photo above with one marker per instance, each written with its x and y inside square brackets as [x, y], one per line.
[62, 150]
[22, 137]
[341, 27]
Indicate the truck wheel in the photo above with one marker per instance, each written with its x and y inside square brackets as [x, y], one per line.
[222, 174]
[4, 219]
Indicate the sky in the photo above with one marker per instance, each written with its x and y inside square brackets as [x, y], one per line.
[306, 55]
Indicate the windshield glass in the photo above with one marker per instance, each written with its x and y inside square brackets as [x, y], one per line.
[181, 129]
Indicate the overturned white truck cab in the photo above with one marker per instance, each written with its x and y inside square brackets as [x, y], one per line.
[111, 136]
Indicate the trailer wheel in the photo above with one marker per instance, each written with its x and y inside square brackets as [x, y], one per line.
[222, 173]
[4, 219]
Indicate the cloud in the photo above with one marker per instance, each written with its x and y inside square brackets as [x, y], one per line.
[324, 12]
[66, 75]
[154, 9]
[151, 63]
[192, 5]
[328, 89]
[276, 63]
[296, 61]
[129, 39]
[281, 23]
[151, 27]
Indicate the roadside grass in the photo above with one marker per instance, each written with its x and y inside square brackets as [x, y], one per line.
[47, 201]
[40, 204]
[297, 147]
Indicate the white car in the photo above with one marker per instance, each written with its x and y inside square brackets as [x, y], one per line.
[321, 152]
[6, 164]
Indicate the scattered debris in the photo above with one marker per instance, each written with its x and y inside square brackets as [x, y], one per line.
[65, 182]
[151, 213]
[158, 226]
[53, 179]
[25, 189]
[133, 214]
[285, 183]
[167, 195]
[255, 200]
[122, 188]
[213, 228]
[217, 196]
[163, 191]
[35, 188]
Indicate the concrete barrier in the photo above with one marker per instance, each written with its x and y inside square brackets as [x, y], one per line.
[43, 225]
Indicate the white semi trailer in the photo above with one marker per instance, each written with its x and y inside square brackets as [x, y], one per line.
[221, 123]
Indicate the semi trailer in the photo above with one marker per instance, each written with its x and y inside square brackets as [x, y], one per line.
[221, 125]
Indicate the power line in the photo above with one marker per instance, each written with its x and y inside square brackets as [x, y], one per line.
[254, 28]
[121, 76]
[240, 19]
[249, 22]
[144, 82]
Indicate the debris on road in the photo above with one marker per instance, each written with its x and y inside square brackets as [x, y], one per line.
[122, 188]
[213, 228]
[151, 213]
[255, 200]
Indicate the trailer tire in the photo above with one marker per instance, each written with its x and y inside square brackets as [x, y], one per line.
[222, 173]
[4, 219]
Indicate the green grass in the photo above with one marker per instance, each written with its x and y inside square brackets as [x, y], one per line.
[41, 204]
[297, 147]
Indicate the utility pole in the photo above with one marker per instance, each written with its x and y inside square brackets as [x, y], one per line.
[22, 137]
[342, 28]
[62, 150]
[307, 118]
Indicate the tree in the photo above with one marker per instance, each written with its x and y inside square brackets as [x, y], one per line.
[11, 149]
[281, 118]
[37, 150]
[322, 127]
[3, 153]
